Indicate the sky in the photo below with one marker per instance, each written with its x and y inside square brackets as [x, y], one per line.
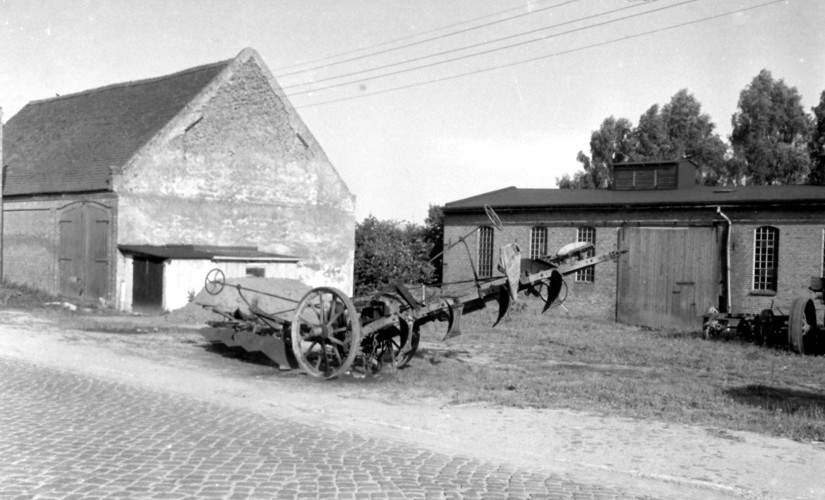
[423, 102]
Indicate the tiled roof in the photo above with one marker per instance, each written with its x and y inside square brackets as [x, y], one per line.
[515, 198]
[71, 143]
[206, 252]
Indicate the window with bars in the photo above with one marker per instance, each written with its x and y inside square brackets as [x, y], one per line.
[538, 242]
[485, 252]
[587, 235]
[765, 258]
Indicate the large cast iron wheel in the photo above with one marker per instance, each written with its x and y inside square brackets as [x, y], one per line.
[802, 326]
[326, 332]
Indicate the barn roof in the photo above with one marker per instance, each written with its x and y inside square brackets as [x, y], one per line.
[516, 198]
[206, 252]
[71, 143]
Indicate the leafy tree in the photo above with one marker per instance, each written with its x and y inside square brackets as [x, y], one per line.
[816, 147]
[386, 251]
[434, 235]
[681, 130]
[612, 143]
[770, 133]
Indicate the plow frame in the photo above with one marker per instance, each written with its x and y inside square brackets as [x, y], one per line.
[328, 333]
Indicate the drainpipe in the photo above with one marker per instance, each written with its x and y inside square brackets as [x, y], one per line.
[727, 259]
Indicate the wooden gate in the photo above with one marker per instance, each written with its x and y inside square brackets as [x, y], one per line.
[669, 277]
[83, 256]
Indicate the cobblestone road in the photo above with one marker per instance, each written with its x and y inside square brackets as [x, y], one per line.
[64, 436]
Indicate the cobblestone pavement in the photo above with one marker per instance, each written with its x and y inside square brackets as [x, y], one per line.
[65, 436]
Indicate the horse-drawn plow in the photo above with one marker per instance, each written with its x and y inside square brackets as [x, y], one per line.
[328, 333]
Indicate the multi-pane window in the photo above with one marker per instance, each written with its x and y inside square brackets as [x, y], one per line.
[538, 242]
[485, 252]
[765, 258]
[586, 235]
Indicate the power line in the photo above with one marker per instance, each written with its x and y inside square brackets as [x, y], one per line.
[538, 58]
[490, 51]
[413, 44]
[389, 42]
[479, 44]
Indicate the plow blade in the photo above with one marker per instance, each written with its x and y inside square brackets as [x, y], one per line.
[272, 346]
[553, 288]
[503, 304]
[454, 321]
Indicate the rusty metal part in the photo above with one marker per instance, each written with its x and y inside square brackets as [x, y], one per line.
[326, 332]
[802, 328]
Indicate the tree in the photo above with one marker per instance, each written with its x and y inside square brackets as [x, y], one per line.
[612, 143]
[816, 146]
[771, 133]
[386, 251]
[434, 235]
[681, 130]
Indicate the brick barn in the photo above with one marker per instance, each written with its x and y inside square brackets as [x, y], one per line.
[679, 236]
[128, 194]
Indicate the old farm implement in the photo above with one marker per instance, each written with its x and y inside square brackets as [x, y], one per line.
[797, 330]
[328, 333]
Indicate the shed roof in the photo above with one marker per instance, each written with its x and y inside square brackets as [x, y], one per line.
[71, 143]
[206, 252]
[516, 198]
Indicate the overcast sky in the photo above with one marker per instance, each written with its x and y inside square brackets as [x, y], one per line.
[518, 116]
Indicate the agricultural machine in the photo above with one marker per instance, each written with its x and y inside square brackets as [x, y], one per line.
[797, 330]
[328, 333]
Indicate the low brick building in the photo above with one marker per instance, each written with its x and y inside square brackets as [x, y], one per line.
[107, 191]
[679, 235]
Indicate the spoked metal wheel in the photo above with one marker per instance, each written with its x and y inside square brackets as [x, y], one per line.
[394, 344]
[326, 332]
[802, 326]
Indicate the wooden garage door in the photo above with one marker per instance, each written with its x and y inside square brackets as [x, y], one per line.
[669, 277]
[83, 258]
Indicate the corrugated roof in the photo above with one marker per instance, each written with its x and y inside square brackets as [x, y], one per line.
[71, 143]
[513, 197]
[205, 252]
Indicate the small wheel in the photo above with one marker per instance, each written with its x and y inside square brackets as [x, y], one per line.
[215, 280]
[764, 327]
[802, 326]
[744, 330]
[393, 344]
[493, 216]
[326, 332]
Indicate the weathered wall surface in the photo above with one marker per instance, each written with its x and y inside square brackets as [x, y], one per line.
[801, 251]
[240, 168]
[595, 299]
[31, 239]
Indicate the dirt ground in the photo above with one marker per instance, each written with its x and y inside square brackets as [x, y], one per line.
[654, 459]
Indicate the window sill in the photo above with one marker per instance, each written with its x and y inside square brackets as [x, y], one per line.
[763, 293]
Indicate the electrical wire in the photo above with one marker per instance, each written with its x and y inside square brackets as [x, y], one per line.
[479, 44]
[490, 51]
[413, 44]
[539, 58]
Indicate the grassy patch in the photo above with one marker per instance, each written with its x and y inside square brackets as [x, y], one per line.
[557, 360]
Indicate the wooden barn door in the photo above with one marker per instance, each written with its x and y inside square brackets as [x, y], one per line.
[669, 277]
[83, 256]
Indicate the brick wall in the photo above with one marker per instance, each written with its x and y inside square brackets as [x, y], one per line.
[31, 239]
[596, 299]
[800, 248]
[240, 168]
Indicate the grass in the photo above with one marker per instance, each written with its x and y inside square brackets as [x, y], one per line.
[557, 360]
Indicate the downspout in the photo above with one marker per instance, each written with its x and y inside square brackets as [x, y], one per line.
[727, 259]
